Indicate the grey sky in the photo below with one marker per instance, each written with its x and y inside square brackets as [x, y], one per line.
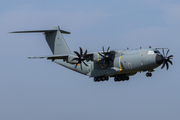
[42, 90]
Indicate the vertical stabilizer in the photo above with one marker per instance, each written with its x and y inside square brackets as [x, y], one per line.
[56, 41]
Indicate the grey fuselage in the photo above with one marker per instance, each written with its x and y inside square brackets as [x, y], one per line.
[113, 63]
[126, 62]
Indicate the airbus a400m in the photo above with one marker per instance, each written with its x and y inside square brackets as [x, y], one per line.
[101, 65]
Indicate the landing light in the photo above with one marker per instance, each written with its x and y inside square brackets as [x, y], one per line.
[150, 52]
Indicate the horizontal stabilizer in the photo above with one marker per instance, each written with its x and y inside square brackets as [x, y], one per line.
[51, 57]
[37, 31]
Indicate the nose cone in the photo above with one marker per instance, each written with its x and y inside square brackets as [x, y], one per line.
[159, 59]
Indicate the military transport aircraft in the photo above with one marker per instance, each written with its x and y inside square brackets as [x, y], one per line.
[101, 65]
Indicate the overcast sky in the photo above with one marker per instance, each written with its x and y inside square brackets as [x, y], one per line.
[43, 90]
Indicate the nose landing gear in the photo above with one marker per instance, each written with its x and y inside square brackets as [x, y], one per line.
[148, 74]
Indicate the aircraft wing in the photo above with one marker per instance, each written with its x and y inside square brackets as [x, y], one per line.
[90, 56]
[64, 57]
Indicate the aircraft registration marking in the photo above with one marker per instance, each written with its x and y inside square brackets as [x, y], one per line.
[120, 63]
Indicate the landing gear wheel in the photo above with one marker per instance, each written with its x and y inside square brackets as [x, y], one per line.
[116, 79]
[106, 78]
[127, 77]
[103, 78]
[148, 74]
[99, 79]
[95, 79]
[123, 78]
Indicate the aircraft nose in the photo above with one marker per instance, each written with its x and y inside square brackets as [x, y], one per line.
[159, 59]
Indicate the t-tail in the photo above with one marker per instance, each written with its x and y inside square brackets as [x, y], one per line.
[54, 39]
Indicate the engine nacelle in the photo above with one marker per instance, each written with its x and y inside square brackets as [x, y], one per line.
[70, 59]
[97, 57]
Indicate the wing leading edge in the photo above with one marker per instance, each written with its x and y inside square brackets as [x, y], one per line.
[65, 56]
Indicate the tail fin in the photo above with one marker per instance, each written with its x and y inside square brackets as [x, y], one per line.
[54, 39]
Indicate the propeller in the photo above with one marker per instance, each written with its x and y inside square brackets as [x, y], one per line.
[106, 56]
[81, 57]
[166, 60]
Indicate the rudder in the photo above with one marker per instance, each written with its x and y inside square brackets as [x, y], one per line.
[56, 41]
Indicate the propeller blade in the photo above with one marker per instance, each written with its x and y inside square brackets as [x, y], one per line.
[170, 62]
[77, 54]
[163, 52]
[108, 49]
[170, 56]
[106, 56]
[81, 57]
[85, 53]
[85, 63]
[163, 65]
[101, 55]
[166, 60]
[167, 52]
[103, 48]
[81, 51]
[167, 65]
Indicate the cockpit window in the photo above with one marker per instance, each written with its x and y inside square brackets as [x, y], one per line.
[156, 52]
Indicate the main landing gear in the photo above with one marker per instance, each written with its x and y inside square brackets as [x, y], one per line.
[121, 78]
[116, 78]
[148, 74]
[102, 78]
